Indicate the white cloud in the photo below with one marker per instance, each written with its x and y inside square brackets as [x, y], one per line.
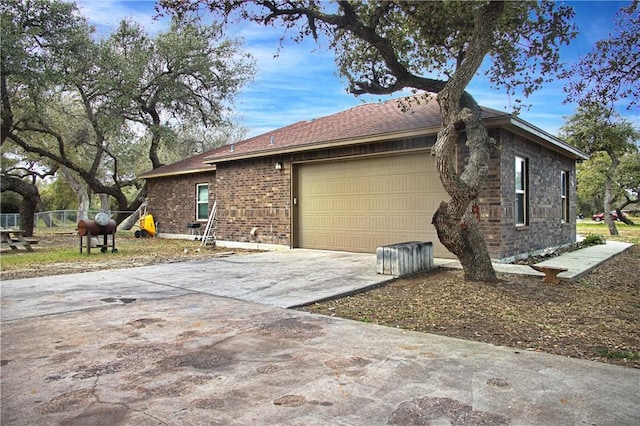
[107, 14]
[299, 81]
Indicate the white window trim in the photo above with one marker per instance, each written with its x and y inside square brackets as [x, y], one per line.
[564, 196]
[198, 202]
[523, 191]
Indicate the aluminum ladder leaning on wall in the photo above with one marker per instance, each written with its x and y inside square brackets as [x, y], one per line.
[209, 236]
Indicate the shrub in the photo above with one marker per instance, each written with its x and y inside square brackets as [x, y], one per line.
[594, 239]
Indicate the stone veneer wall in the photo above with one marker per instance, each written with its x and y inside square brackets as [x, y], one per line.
[545, 228]
[172, 200]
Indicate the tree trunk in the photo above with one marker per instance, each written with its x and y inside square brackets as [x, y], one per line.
[128, 223]
[30, 200]
[623, 217]
[81, 192]
[464, 239]
[457, 222]
[104, 203]
[48, 220]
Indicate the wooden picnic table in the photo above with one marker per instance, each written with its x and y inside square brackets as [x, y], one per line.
[14, 238]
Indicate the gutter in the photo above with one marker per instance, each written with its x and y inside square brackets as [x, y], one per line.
[336, 143]
[151, 174]
[525, 129]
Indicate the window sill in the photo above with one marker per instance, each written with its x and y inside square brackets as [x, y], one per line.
[522, 227]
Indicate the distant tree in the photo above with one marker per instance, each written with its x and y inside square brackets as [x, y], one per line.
[10, 202]
[628, 182]
[610, 73]
[431, 46]
[20, 173]
[188, 74]
[193, 140]
[591, 176]
[57, 195]
[20, 177]
[596, 129]
[30, 199]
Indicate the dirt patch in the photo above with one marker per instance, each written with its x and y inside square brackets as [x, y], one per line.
[68, 401]
[426, 411]
[595, 318]
[290, 328]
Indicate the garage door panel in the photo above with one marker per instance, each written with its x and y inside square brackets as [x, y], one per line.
[358, 205]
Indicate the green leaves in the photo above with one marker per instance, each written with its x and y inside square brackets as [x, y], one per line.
[106, 108]
[612, 174]
[610, 73]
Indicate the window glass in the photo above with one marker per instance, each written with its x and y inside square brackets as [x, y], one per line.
[521, 191]
[564, 195]
[202, 201]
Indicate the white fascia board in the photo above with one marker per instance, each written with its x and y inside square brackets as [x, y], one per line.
[547, 137]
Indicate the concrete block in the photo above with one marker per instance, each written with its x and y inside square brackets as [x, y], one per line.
[404, 258]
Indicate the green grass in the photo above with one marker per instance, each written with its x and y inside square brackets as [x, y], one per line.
[618, 354]
[65, 248]
[628, 234]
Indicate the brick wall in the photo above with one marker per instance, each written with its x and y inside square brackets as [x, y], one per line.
[253, 194]
[489, 199]
[172, 200]
[545, 227]
[497, 197]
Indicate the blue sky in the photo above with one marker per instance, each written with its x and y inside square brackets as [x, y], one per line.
[302, 83]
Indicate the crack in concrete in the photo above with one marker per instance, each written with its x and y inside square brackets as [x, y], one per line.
[126, 406]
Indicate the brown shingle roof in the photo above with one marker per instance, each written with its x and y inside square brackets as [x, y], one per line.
[369, 121]
[365, 121]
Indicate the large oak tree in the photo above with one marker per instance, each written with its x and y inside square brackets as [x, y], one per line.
[435, 47]
[103, 109]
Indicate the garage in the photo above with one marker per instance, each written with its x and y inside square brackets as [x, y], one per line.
[359, 204]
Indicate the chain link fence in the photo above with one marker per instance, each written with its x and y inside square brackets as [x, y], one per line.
[51, 221]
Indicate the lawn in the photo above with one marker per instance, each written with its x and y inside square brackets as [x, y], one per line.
[59, 253]
[630, 234]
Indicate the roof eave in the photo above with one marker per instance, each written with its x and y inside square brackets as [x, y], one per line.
[152, 175]
[313, 146]
[522, 127]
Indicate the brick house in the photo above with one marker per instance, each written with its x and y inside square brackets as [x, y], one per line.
[364, 177]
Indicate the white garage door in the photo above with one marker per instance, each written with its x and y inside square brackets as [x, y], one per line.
[358, 205]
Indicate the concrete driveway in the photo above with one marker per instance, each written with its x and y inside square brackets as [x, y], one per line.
[174, 345]
[283, 279]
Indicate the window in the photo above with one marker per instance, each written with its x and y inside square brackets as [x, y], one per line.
[202, 201]
[521, 192]
[564, 195]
